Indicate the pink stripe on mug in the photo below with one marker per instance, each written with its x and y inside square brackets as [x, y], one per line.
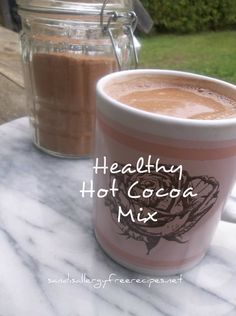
[174, 151]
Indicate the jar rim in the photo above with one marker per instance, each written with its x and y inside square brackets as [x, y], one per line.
[75, 7]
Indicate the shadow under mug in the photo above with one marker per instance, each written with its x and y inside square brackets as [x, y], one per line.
[201, 155]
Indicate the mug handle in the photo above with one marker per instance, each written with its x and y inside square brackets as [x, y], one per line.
[229, 213]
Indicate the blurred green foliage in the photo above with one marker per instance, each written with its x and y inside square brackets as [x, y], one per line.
[188, 16]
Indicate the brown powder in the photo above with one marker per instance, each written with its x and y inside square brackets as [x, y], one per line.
[64, 103]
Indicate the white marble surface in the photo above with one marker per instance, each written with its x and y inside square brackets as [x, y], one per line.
[46, 239]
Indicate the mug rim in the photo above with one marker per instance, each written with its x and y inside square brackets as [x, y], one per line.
[229, 122]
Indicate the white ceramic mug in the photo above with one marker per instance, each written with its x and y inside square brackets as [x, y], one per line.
[184, 226]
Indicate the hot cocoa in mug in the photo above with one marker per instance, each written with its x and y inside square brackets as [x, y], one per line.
[168, 96]
[166, 154]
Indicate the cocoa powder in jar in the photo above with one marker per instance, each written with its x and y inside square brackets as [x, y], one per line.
[64, 109]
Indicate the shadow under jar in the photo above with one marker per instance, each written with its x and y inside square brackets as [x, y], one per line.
[66, 48]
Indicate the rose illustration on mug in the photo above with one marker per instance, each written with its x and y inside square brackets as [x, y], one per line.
[172, 217]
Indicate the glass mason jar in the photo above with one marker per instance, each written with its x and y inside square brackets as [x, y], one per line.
[66, 47]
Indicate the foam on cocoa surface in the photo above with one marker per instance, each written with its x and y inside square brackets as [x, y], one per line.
[172, 97]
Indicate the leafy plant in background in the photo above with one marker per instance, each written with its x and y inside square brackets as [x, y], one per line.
[187, 16]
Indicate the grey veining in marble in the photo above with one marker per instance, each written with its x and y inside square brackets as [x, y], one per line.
[50, 261]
